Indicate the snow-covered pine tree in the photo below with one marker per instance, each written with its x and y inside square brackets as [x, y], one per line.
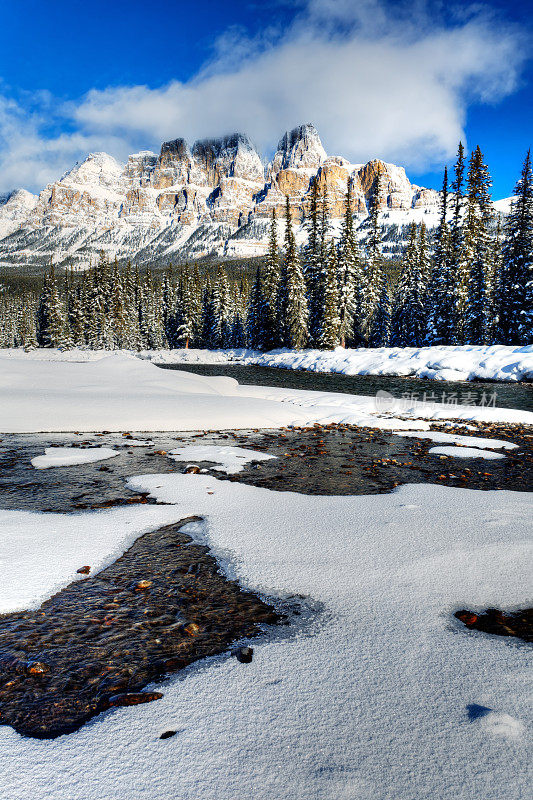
[188, 323]
[515, 293]
[440, 289]
[294, 310]
[492, 277]
[51, 323]
[75, 315]
[381, 332]
[271, 279]
[350, 277]
[210, 331]
[312, 260]
[457, 245]
[224, 311]
[255, 331]
[42, 321]
[471, 306]
[119, 314]
[424, 277]
[330, 323]
[196, 291]
[408, 320]
[373, 275]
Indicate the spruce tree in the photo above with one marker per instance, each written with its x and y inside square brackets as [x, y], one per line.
[515, 294]
[440, 292]
[350, 277]
[312, 261]
[408, 322]
[271, 279]
[381, 332]
[294, 311]
[471, 284]
[255, 322]
[492, 277]
[373, 274]
[330, 324]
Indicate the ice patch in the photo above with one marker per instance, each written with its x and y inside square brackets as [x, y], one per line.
[71, 456]
[468, 441]
[465, 452]
[228, 459]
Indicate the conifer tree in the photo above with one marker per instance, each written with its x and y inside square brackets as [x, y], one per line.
[255, 321]
[55, 334]
[471, 286]
[440, 293]
[408, 323]
[293, 310]
[381, 332]
[515, 294]
[492, 277]
[210, 332]
[373, 276]
[270, 285]
[350, 277]
[330, 325]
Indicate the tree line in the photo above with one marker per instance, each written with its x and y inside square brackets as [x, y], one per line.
[472, 283]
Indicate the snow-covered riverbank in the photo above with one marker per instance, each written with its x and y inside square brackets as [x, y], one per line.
[468, 363]
[116, 391]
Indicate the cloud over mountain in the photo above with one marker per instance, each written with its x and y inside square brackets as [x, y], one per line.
[378, 79]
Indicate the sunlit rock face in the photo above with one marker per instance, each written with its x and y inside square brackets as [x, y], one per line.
[214, 197]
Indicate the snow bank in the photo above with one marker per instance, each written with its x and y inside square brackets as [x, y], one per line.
[374, 700]
[468, 363]
[71, 456]
[118, 392]
[454, 363]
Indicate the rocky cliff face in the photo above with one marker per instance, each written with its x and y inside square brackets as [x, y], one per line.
[214, 198]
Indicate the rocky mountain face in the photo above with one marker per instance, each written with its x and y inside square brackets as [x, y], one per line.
[212, 199]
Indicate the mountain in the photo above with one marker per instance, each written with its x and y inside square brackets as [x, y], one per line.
[212, 199]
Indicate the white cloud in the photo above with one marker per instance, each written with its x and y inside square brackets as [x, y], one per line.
[377, 80]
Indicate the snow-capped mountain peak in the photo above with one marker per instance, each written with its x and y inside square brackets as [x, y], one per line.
[214, 197]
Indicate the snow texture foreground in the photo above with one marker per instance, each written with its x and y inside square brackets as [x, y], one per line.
[377, 700]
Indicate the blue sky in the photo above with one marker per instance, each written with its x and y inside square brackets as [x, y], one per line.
[395, 80]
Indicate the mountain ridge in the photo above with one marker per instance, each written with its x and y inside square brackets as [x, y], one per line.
[212, 198]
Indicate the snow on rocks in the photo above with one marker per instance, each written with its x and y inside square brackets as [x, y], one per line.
[72, 456]
[465, 452]
[227, 459]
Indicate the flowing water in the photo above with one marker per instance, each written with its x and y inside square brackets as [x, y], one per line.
[502, 395]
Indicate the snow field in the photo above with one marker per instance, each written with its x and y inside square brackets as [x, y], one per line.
[374, 700]
[118, 392]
